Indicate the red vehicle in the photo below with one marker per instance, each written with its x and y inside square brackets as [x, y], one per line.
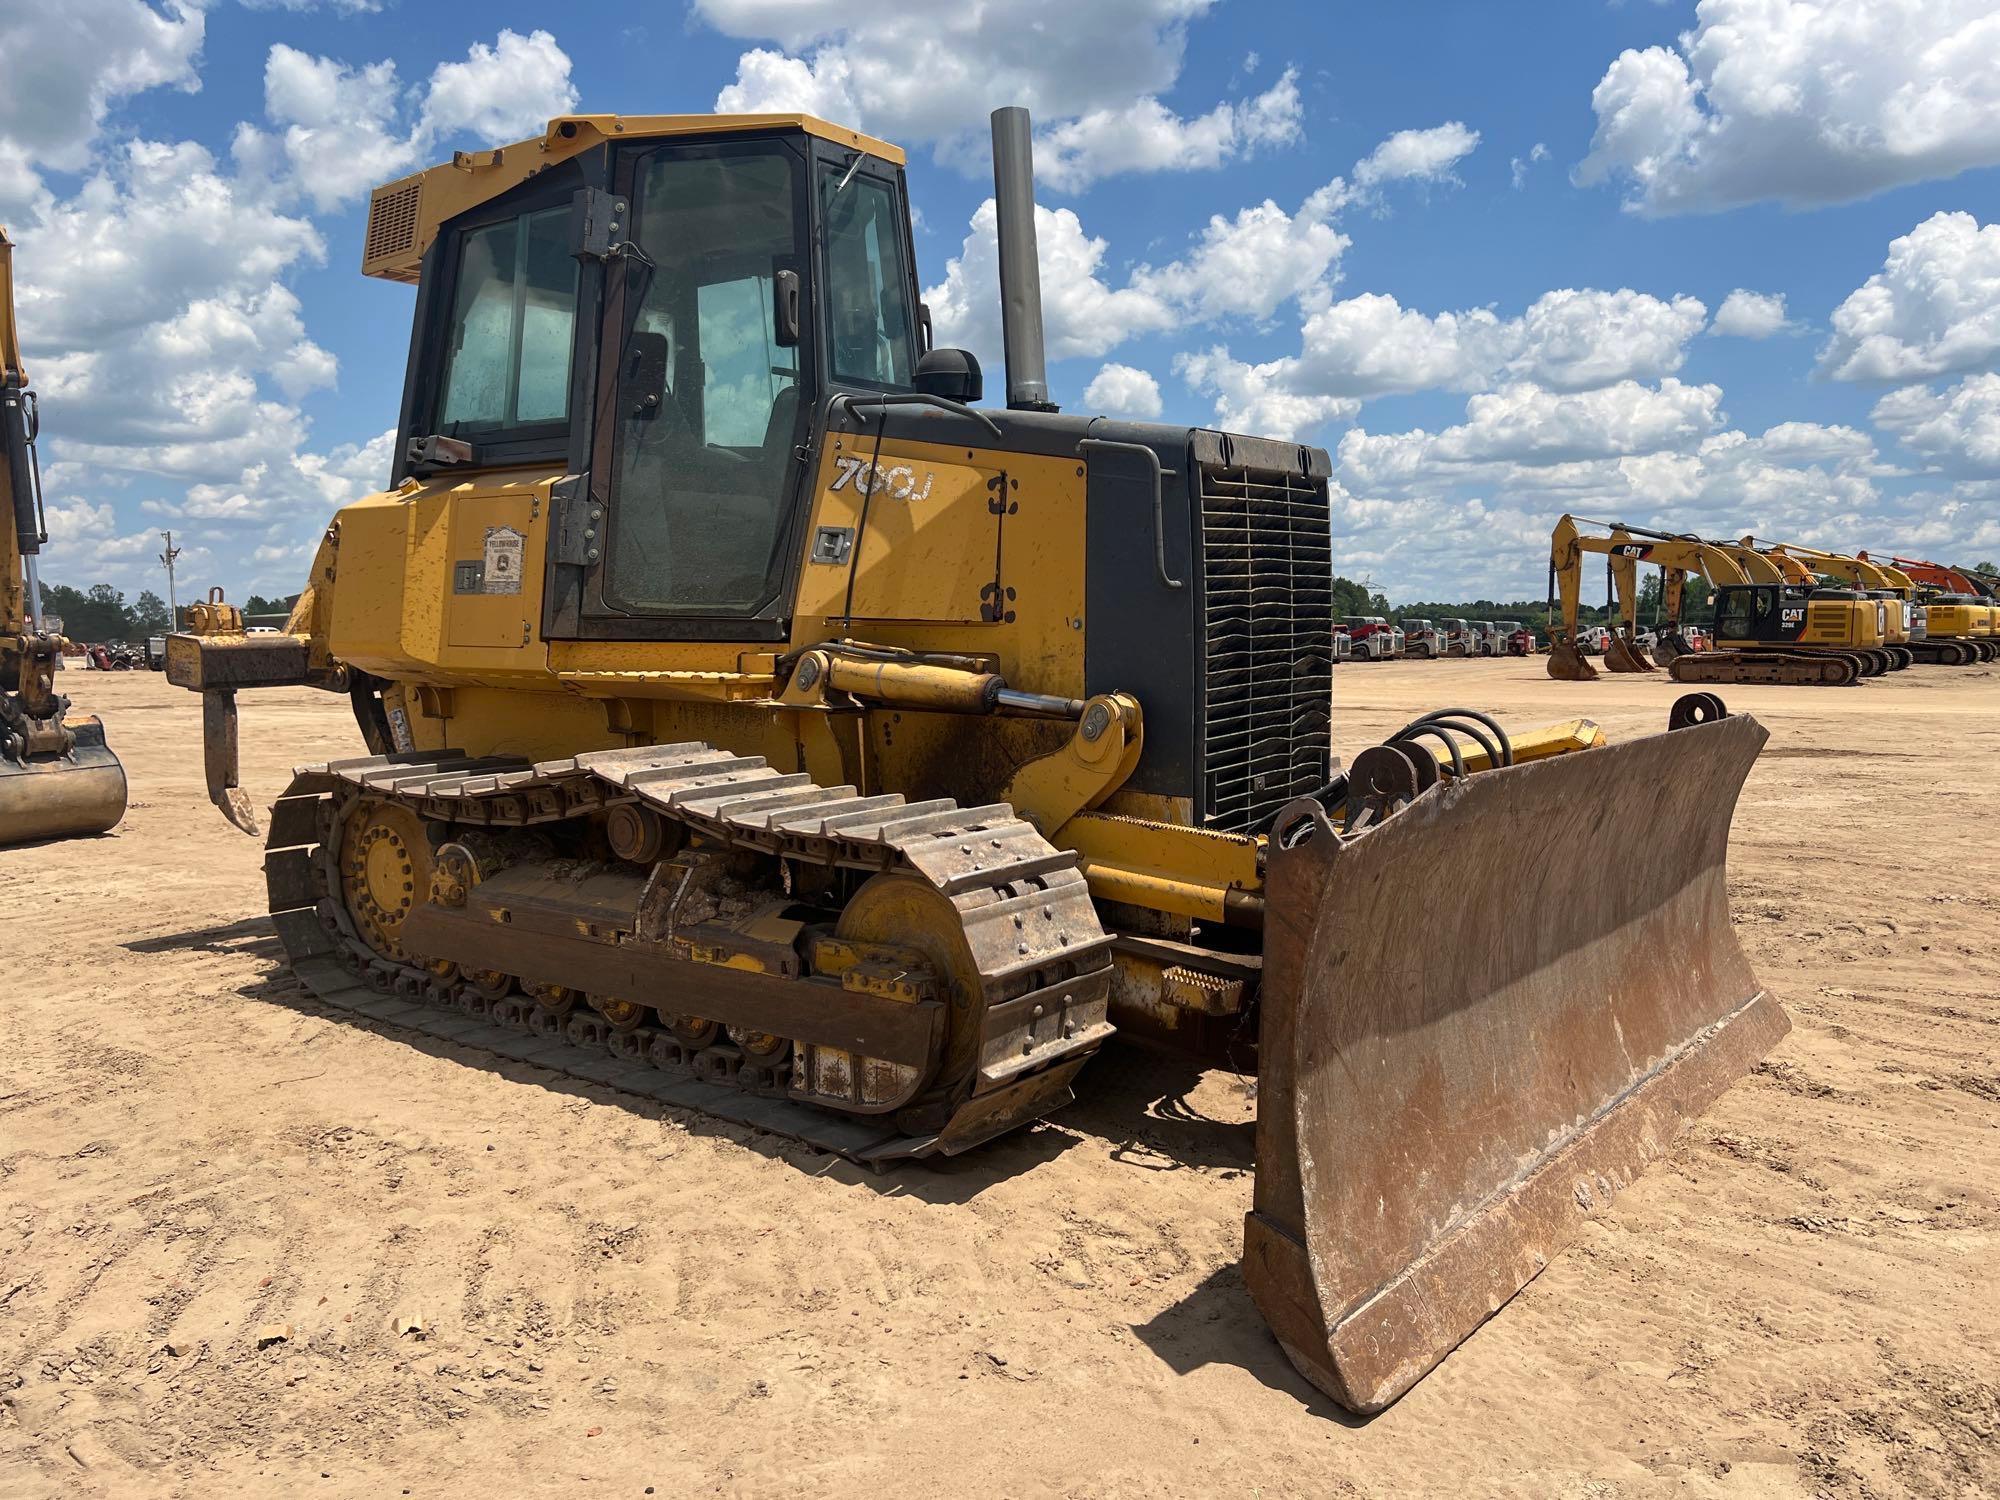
[1374, 638]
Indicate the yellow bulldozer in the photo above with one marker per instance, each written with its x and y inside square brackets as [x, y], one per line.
[58, 778]
[756, 722]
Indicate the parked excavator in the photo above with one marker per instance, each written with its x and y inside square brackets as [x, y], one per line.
[1857, 620]
[1884, 581]
[58, 778]
[1955, 606]
[1766, 630]
[757, 723]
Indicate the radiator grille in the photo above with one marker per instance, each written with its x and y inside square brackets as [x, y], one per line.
[1267, 582]
[392, 221]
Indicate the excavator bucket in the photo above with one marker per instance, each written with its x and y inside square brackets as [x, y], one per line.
[62, 796]
[1622, 654]
[1567, 663]
[1480, 1019]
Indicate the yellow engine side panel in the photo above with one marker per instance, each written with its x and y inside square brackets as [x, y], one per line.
[937, 567]
[1952, 620]
[442, 582]
[1842, 622]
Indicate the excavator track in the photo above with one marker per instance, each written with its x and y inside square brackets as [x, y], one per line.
[1774, 668]
[1027, 920]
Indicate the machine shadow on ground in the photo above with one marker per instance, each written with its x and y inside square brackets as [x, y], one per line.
[1217, 1324]
[1133, 1099]
[1139, 1101]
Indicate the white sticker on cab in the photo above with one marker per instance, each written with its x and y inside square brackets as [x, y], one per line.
[503, 560]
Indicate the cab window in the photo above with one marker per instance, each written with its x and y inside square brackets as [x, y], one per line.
[513, 321]
[874, 340]
[710, 398]
[1739, 612]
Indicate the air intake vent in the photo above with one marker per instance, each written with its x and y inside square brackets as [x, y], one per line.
[392, 229]
[1267, 609]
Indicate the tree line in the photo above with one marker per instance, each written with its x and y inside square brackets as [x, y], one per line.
[101, 613]
[1535, 612]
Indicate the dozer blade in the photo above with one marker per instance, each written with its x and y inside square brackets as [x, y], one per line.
[1479, 1020]
[54, 797]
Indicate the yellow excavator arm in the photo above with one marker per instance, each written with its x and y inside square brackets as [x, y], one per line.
[1624, 551]
[57, 776]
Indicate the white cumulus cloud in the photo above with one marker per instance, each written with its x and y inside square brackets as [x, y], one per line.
[1082, 313]
[1371, 345]
[1959, 427]
[342, 130]
[1750, 315]
[1420, 155]
[1800, 101]
[1092, 75]
[1250, 265]
[1146, 136]
[1933, 309]
[1121, 391]
[63, 67]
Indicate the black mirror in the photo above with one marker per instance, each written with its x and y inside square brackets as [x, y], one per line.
[643, 381]
[952, 374]
[785, 295]
[927, 338]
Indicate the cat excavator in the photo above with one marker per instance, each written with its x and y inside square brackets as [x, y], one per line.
[1767, 630]
[1858, 621]
[1956, 607]
[58, 778]
[1886, 581]
[756, 721]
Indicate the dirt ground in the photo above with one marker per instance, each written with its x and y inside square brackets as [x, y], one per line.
[1800, 1300]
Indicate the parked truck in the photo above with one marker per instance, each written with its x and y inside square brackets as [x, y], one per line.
[1373, 638]
[1422, 638]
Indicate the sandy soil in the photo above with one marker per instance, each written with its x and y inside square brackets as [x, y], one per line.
[1800, 1300]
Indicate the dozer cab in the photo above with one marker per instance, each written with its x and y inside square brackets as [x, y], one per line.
[58, 778]
[1769, 627]
[758, 723]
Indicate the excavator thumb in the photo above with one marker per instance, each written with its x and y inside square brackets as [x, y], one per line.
[1480, 1018]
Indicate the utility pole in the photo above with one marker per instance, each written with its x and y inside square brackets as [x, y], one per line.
[167, 561]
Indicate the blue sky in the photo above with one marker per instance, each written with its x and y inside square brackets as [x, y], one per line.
[1501, 260]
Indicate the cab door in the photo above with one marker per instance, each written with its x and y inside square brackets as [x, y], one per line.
[690, 529]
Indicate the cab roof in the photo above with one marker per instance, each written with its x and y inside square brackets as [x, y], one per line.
[404, 215]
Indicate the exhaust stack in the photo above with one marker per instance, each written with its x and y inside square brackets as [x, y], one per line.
[1020, 270]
